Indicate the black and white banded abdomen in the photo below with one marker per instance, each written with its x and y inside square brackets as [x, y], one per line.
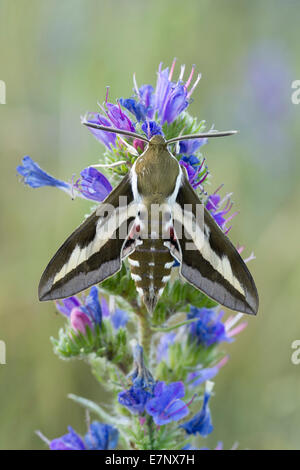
[150, 265]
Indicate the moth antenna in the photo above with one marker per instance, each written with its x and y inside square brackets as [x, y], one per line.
[114, 130]
[109, 165]
[204, 135]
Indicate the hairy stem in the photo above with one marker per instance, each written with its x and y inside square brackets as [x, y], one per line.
[145, 332]
[150, 426]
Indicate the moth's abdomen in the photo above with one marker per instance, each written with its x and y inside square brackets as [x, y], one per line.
[150, 265]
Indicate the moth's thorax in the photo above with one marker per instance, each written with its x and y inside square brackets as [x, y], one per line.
[157, 171]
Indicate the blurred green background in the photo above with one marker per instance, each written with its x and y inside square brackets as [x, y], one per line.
[56, 58]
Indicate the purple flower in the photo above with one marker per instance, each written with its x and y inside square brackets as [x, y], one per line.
[82, 313]
[70, 441]
[230, 325]
[208, 328]
[106, 138]
[141, 106]
[145, 94]
[139, 144]
[165, 342]
[79, 320]
[171, 98]
[65, 306]
[143, 384]
[166, 405]
[201, 423]
[189, 147]
[151, 128]
[196, 171]
[175, 102]
[199, 377]
[35, 177]
[219, 208]
[93, 185]
[119, 318]
[104, 307]
[162, 90]
[118, 117]
[101, 436]
[115, 117]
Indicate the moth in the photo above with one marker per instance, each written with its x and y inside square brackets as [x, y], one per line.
[126, 226]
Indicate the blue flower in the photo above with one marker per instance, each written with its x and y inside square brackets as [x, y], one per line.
[166, 405]
[101, 436]
[189, 447]
[188, 147]
[141, 376]
[201, 423]
[119, 318]
[70, 441]
[199, 377]
[138, 109]
[143, 384]
[208, 328]
[134, 399]
[92, 306]
[165, 342]
[93, 185]
[192, 160]
[35, 177]
[145, 94]
[141, 106]
[151, 128]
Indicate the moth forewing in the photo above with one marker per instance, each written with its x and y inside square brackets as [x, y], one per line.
[112, 218]
[93, 252]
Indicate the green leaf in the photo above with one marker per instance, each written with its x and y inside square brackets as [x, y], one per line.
[178, 297]
[94, 408]
[173, 327]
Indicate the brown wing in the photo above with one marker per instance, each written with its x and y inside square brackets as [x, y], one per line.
[208, 259]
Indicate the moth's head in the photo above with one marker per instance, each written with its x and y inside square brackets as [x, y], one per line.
[158, 140]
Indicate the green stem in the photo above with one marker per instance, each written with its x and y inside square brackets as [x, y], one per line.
[145, 332]
[150, 424]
